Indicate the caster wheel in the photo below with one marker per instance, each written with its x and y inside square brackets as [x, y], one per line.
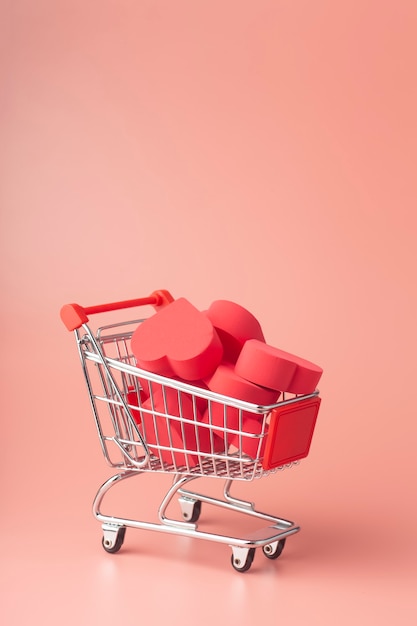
[191, 512]
[111, 545]
[273, 550]
[242, 565]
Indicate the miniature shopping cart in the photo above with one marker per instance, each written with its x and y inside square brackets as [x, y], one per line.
[135, 436]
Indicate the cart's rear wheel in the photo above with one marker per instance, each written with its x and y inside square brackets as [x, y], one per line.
[113, 544]
[191, 509]
[242, 564]
[273, 550]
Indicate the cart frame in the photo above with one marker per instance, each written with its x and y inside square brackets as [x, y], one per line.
[112, 377]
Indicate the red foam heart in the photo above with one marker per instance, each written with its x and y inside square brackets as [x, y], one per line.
[235, 325]
[227, 382]
[276, 369]
[178, 340]
[221, 419]
[265, 365]
[177, 441]
[133, 401]
[306, 377]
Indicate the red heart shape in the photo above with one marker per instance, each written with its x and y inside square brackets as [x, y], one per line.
[234, 325]
[177, 441]
[276, 369]
[265, 365]
[227, 382]
[223, 420]
[178, 340]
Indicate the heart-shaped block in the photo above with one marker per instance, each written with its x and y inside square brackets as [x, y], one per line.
[234, 325]
[150, 388]
[265, 365]
[306, 377]
[171, 428]
[144, 386]
[227, 382]
[271, 367]
[178, 340]
[134, 402]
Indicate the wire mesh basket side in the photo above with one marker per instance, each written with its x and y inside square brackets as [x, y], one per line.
[108, 389]
[179, 426]
[155, 423]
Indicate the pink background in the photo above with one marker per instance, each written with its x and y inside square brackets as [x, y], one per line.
[262, 152]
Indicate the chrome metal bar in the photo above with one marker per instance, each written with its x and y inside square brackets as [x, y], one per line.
[103, 361]
[239, 506]
[176, 485]
[198, 391]
[258, 538]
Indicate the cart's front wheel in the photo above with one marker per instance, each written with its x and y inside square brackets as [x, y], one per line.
[242, 563]
[113, 541]
[273, 550]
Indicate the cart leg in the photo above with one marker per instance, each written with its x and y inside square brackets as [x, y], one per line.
[107, 486]
[244, 504]
[113, 532]
[190, 507]
[271, 538]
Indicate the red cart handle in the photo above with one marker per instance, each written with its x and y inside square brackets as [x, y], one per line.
[74, 315]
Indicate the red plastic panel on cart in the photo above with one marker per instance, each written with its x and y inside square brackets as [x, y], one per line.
[290, 432]
[178, 340]
[234, 325]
